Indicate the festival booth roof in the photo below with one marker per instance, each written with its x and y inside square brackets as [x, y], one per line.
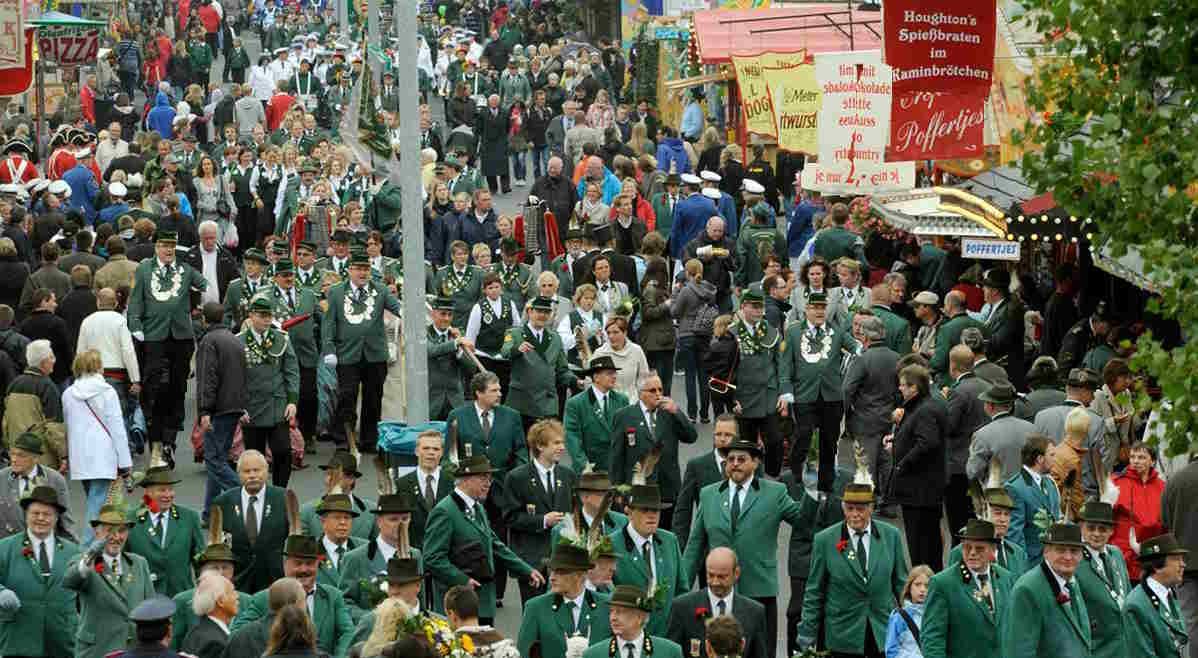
[819, 27]
[59, 19]
[940, 211]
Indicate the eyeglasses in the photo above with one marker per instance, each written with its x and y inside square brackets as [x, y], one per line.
[655, 389]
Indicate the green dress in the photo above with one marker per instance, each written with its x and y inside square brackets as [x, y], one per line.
[958, 620]
[170, 563]
[44, 624]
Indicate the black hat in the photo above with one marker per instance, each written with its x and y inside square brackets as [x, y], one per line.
[646, 496]
[630, 596]
[165, 236]
[255, 254]
[746, 445]
[403, 570]
[541, 304]
[600, 233]
[1161, 545]
[1062, 534]
[399, 503]
[599, 364]
[156, 609]
[1097, 512]
[509, 247]
[157, 475]
[28, 442]
[568, 557]
[337, 502]
[673, 179]
[18, 144]
[301, 546]
[1101, 313]
[476, 465]
[284, 266]
[306, 244]
[442, 303]
[999, 393]
[977, 530]
[1084, 378]
[359, 257]
[43, 494]
[344, 460]
[998, 278]
[340, 235]
[817, 299]
[999, 497]
[597, 481]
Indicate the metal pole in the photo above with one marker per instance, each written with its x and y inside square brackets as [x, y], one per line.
[343, 16]
[372, 31]
[414, 311]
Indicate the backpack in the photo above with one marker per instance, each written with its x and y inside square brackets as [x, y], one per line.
[704, 324]
[14, 344]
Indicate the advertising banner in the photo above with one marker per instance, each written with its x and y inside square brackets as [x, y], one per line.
[755, 103]
[935, 126]
[989, 249]
[12, 35]
[940, 45]
[797, 100]
[67, 45]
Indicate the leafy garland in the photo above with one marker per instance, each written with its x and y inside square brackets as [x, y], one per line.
[357, 312]
[258, 353]
[750, 342]
[166, 282]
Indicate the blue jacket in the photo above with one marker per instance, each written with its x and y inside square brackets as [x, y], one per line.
[110, 214]
[442, 232]
[670, 151]
[161, 119]
[473, 232]
[692, 120]
[690, 218]
[728, 212]
[800, 227]
[83, 191]
[611, 186]
[899, 641]
[1029, 500]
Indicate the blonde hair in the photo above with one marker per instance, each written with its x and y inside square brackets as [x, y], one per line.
[542, 433]
[387, 618]
[1077, 423]
[694, 267]
[921, 570]
[480, 249]
[720, 326]
[547, 276]
[87, 362]
[585, 289]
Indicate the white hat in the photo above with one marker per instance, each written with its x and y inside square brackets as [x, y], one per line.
[39, 184]
[753, 187]
[710, 176]
[134, 180]
[691, 179]
[281, 50]
[117, 189]
[60, 188]
[85, 152]
[712, 193]
[11, 188]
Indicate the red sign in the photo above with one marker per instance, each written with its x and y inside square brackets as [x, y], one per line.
[68, 46]
[934, 126]
[940, 45]
[15, 80]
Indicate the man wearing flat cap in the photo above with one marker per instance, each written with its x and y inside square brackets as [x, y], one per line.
[967, 606]
[648, 557]
[364, 564]
[37, 618]
[568, 608]
[20, 477]
[165, 533]
[159, 315]
[272, 388]
[631, 637]
[1154, 622]
[1102, 578]
[1079, 393]
[1048, 615]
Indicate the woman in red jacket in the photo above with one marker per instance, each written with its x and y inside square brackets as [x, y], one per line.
[1139, 505]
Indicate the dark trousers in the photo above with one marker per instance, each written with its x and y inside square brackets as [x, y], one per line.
[278, 438]
[922, 525]
[502, 370]
[826, 416]
[370, 376]
[128, 81]
[767, 427]
[499, 527]
[794, 614]
[871, 648]
[958, 506]
[494, 181]
[698, 396]
[771, 623]
[662, 361]
[166, 368]
[527, 591]
[306, 412]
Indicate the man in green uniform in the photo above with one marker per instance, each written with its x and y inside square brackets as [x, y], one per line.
[759, 364]
[856, 568]
[254, 518]
[401, 580]
[337, 514]
[514, 275]
[701, 471]
[166, 534]
[568, 609]
[956, 320]
[1048, 615]
[590, 417]
[109, 583]
[307, 274]
[448, 361]
[459, 281]
[1035, 495]
[338, 263]
[217, 557]
[1102, 578]
[1155, 625]
[898, 330]
[663, 205]
[159, 316]
[1007, 554]
[38, 617]
[538, 367]
[968, 605]
[295, 312]
[648, 557]
[631, 635]
[591, 489]
[355, 343]
[341, 471]
[838, 242]
[272, 389]
[242, 290]
[459, 546]
[429, 482]
[384, 208]
[366, 565]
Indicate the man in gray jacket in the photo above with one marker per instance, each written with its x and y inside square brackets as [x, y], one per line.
[966, 413]
[1001, 439]
[220, 398]
[870, 392]
[18, 481]
[248, 112]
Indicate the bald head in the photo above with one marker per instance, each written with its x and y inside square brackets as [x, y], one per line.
[285, 592]
[960, 360]
[880, 294]
[722, 557]
[715, 228]
[106, 299]
[595, 168]
[722, 571]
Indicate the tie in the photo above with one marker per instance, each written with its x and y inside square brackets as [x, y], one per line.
[723, 607]
[158, 530]
[251, 520]
[652, 420]
[736, 507]
[291, 299]
[549, 484]
[861, 550]
[571, 627]
[1002, 553]
[630, 650]
[340, 554]
[984, 578]
[605, 287]
[24, 486]
[648, 553]
[603, 406]
[43, 558]
[430, 494]
[486, 426]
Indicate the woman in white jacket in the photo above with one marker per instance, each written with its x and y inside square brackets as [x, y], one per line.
[97, 447]
[628, 356]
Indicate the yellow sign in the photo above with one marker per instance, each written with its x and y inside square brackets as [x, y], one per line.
[797, 100]
[755, 103]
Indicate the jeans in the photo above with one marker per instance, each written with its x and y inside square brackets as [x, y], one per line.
[518, 164]
[692, 348]
[217, 444]
[540, 160]
[96, 492]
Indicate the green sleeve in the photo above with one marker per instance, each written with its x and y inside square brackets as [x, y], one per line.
[786, 361]
[510, 349]
[939, 362]
[1138, 633]
[696, 548]
[565, 378]
[343, 628]
[249, 613]
[528, 635]
[291, 374]
[136, 303]
[329, 324]
[573, 426]
[899, 575]
[1021, 635]
[436, 547]
[814, 595]
[932, 632]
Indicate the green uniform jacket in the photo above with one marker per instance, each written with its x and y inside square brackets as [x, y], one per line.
[45, 623]
[948, 336]
[271, 377]
[560, 267]
[536, 375]
[670, 430]
[1155, 629]
[170, 565]
[364, 563]
[758, 367]
[816, 516]
[898, 330]
[958, 621]
[526, 503]
[504, 447]
[465, 290]
[327, 264]
[836, 242]
[260, 564]
[105, 603]
[548, 622]
[663, 213]
[200, 55]
[334, 629]
[446, 365]
[667, 571]
[448, 529]
[589, 429]
[847, 602]
[326, 573]
[766, 504]
[752, 241]
[1038, 626]
[384, 209]
[516, 282]
[1030, 500]
[237, 299]
[363, 526]
[654, 647]
[311, 281]
[811, 369]
[160, 303]
[1011, 557]
[1105, 596]
[185, 617]
[353, 330]
[303, 335]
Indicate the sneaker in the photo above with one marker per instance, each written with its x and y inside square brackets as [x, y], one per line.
[520, 183]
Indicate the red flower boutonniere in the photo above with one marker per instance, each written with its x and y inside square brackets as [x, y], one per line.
[702, 613]
[150, 503]
[27, 552]
[1062, 597]
[565, 268]
[99, 567]
[841, 545]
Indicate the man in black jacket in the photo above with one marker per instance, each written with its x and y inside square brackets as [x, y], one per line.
[557, 192]
[217, 265]
[718, 255]
[131, 164]
[43, 323]
[220, 398]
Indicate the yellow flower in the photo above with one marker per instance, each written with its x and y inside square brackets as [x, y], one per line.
[468, 644]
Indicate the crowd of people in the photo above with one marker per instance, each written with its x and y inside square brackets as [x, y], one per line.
[197, 214]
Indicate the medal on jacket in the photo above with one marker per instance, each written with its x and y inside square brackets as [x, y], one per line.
[630, 436]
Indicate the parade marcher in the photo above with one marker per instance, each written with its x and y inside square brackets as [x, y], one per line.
[402, 578]
[257, 534]
[568, 609]
[1154, 623]
[590, 415]
[1102, 579]
[1048, 615]
[449, 361]
[707, 468]
[341, 471]
[1008, 555]
[363, 566]
[295, 309]
[216, 558]
[592, 489]
[653, 424]
[648, 557]
[760, 365]
[20, 478]
[165, 533]
[631, 636]
[690, 613]
[241, 291]
[1035, 496]
[461, 282]
[539, 368]
[159, 316]
[272, 389]
[39, 619]
[109, 582]
[337, 514]
[429, 482]
[967, 607]
[487, 324]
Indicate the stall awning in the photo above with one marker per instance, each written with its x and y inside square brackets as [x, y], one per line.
[940, 211]
[818, 27]
[1129, 267]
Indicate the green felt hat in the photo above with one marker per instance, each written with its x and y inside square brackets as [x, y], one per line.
[262, 305]
[401, 571]
[28, 442]
[158, 475]
[255, 254]
[754, 297]
[337, 502]
[301, 546]
[45, 495]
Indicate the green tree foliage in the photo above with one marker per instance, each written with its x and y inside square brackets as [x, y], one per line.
[1115, 105]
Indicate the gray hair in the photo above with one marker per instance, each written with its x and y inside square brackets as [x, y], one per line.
[208, 225]
[209, 590]
[38, 351]
[891, 277]
[974, 340]
[247, 455]
[873, 328]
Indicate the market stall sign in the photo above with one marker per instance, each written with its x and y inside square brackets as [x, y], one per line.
[942, 45]
[68, 46]
[990, 249]
[755, 103]
[927, 125]
[12, 35]
[796, 99]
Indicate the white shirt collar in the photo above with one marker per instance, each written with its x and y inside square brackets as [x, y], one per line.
[223, 626]
[385, 550]
[542, 471]
[35, 541]
[578, 601]
[470, 502]
[331, 549]
[1061, 582]
[1036, 477]
[645, 411]
[637, 538]
[599, 395]
[1157, 588]
[715, 602]
[638, 642]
